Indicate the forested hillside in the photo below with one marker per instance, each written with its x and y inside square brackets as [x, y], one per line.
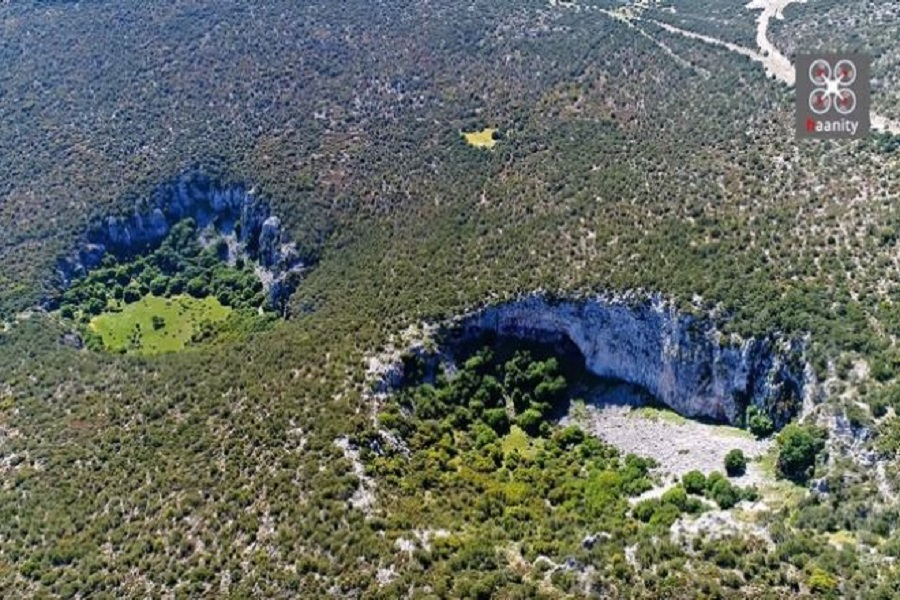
[427, 159]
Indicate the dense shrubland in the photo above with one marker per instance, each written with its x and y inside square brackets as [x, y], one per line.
[217, 471]
[584, 177]
[489, 492]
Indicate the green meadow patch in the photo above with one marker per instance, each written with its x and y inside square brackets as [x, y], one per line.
[519, 442]
[153, 324]
[735, 432]
[778, 493]
[658, 414]
[481, 139]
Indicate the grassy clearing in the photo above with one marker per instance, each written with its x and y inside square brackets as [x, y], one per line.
[130, 327]
[668, 416]
[767, 463]
[842, 538]
[517, 441]
[481, 139]
[658, 414]
[782, 494]
[779, 493]
[736, 432]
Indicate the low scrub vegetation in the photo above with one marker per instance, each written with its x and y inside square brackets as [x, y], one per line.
[216, 471]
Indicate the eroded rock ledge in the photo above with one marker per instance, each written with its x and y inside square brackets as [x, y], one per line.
[233, 212]
[684, 361]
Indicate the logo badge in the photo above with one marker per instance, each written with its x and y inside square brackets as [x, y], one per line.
[833, 96]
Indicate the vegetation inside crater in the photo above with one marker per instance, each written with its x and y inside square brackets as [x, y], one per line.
[180, 293]
[492, 497]
[508, 498]
[156, 324]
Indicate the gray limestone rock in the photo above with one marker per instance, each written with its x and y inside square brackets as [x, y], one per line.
[194, 195]
[682, 360]
[270, 241]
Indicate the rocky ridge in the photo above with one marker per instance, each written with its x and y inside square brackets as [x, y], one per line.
[230, 211]
[682, 360]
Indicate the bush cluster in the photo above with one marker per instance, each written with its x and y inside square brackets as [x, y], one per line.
[717, 488]
[798, 447]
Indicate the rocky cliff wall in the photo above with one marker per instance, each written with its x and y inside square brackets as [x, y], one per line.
[680, 359]
[231, 210]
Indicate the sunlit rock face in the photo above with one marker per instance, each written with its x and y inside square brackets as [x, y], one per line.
[682, 360]
[230, 211]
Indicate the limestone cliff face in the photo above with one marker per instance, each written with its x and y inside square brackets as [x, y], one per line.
[230, 211]
[681, 359]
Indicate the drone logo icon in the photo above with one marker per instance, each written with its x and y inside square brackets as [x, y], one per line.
[833, 95]
[832, 86]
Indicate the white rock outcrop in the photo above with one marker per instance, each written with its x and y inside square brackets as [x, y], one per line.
[230, 210]
[682, 360]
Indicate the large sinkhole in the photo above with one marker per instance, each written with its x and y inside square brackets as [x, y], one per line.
[635, 350]
[581, 383]
[194, 259]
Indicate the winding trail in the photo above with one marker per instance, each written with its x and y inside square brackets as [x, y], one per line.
[628, 22]
[775, 63]
[752, 54]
